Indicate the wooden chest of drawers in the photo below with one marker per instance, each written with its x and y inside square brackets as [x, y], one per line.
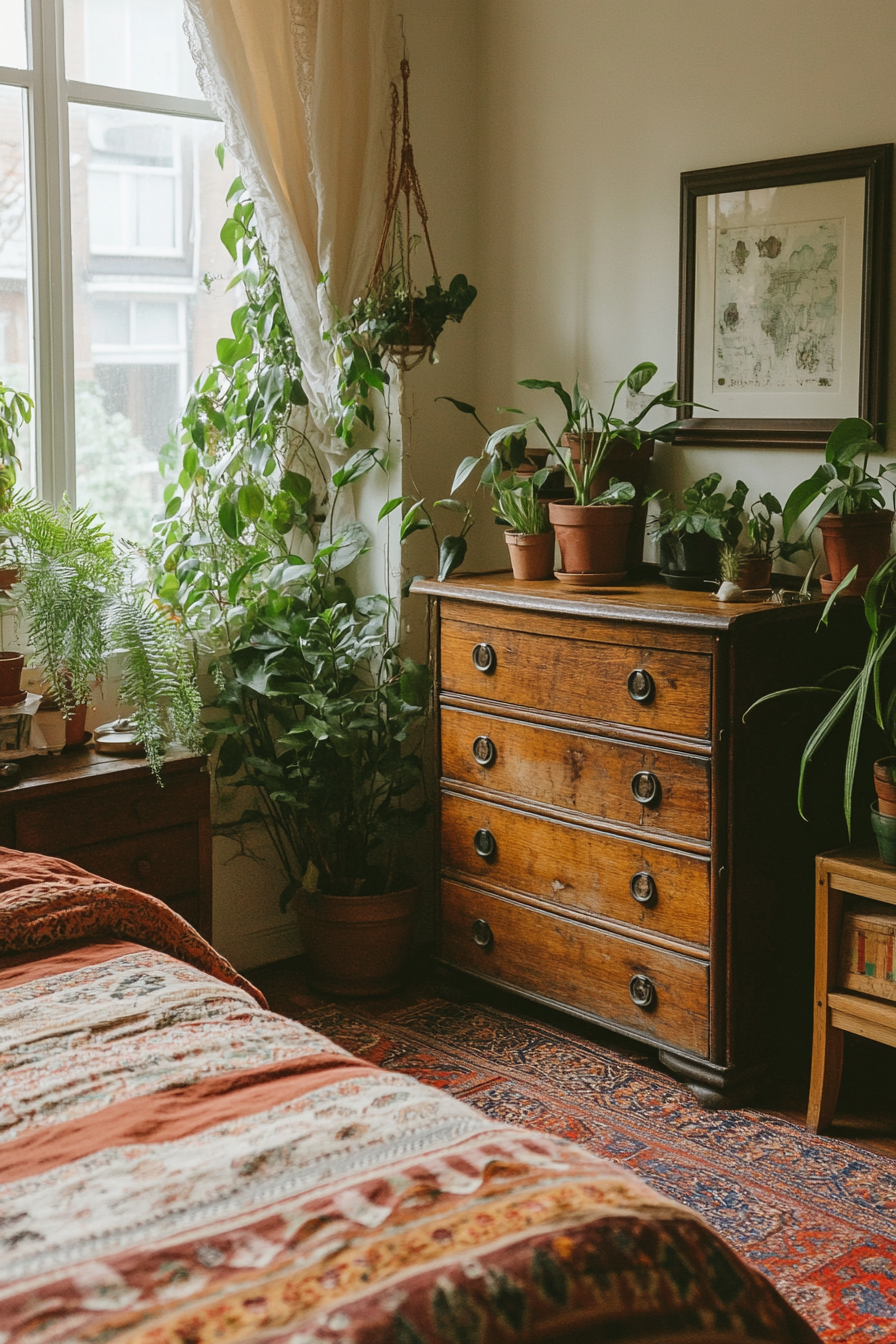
[615, 841]
[108, 815]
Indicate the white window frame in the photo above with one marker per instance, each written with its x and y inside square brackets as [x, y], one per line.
[48, 94]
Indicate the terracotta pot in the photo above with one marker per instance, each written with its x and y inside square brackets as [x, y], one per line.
[357, 944]
[626, 463]
[11, 665]
[531, 555]
[592, 537]
[755, 572]
[885, 785]
[861, 539]
[7, 578]
[535, 459]
[75, 727]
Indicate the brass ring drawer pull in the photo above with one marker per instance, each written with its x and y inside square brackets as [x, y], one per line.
[484, 751]
[484, 658]
[482, 934]
[641, 686]
[642, 991]
[643, 888]
[484, 844]
[646, 788]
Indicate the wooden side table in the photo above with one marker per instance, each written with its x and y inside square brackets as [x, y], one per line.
[107, 814]
[855, 872]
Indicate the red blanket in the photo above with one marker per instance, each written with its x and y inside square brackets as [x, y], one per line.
[179, 1164]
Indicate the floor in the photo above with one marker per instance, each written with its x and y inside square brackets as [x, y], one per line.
[866, 1112]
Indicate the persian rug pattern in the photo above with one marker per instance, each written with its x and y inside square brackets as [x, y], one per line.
[816, 1215]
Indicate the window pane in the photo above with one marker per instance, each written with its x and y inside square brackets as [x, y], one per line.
[129, 44]
[15, 264]
[13, 48]
[147, 209]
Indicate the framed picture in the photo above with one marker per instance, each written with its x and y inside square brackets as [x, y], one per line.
[784, 297]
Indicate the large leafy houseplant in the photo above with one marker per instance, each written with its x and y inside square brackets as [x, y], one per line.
[83, 607]
[691, 533]
[317, 716]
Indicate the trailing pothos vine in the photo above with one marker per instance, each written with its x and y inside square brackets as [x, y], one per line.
[317, 714]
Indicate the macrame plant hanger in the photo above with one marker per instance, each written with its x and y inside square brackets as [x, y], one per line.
[402, 180]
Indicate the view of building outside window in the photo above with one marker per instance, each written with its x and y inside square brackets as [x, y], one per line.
[147, 205]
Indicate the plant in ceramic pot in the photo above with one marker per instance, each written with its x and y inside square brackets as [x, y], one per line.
[853, 517]
[592, 532]
[690, 534]
[865, 699]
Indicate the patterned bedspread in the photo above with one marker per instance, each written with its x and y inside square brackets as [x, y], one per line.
[178, 1165]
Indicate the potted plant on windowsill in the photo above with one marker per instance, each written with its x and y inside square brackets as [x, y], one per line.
[690, 535]
[853, 517]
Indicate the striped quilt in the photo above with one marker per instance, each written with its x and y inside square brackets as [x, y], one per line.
[179, 1165]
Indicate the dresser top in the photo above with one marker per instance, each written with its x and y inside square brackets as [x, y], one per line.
[648, 600]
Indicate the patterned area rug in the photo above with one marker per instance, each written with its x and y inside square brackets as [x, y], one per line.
[817, 1215]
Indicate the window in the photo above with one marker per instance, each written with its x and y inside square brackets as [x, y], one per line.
[108, 225]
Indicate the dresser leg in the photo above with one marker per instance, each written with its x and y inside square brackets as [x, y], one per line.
[715, 1087]
[827, 1041]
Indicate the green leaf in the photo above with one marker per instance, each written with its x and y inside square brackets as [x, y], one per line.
[230, 520]
[219, 153]
[469, 464]
[390, 506]
[640, 376]
[451, 554]
[453, 505]
[414, 521]
[538, 384]
[802, 496]
[230, 756]
[415, 684]
[847, 439]
[297, 485]
[829, 605]
[231, 232]
[250, 501]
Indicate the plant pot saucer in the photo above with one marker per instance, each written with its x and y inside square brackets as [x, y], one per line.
[585, 580]
[17, 697]
[855, 589]
[690, 583]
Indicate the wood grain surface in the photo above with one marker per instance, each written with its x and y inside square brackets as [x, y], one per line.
[580, 773]
[569, 963]
[583, 871]
[580, 677]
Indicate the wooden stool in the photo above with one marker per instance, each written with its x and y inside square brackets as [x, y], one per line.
[857, 872]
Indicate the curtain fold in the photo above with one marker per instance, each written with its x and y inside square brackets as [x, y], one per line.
[302, 88]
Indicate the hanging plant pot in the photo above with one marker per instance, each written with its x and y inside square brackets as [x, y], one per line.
[357, 944]
[592, 539]
[862, 539]
[531, 554]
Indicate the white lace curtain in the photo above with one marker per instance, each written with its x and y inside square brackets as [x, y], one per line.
[302, 87]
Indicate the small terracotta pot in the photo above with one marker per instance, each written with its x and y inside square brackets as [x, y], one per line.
[7, 578]
[861, 539]
[531, 555]
[357, 944]
[11, 665]
[592, 537]
[885, 785]
[75, 727]
[535, 459]
[755, 572]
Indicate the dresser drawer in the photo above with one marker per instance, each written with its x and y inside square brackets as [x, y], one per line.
[578, 772]
[582, 967]
[57, 825]
[162, 863]
[580, 677]
[579, 869]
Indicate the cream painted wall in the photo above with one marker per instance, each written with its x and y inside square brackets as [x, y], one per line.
[589, 111]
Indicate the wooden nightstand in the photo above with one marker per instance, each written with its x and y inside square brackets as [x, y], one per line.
[855, 872]
[109, 815]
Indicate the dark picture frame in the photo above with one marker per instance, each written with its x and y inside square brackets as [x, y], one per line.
[874, 164]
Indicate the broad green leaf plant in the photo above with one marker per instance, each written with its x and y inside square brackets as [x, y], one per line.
[842, 483]
[318, 721]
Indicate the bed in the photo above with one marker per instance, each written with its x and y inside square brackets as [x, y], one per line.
[179, 1165]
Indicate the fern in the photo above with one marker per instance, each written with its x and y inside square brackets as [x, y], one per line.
[78, 595]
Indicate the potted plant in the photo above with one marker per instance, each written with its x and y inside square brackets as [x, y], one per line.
[690, 534]
[853, 517]
[82, 607]
[865, 698]
[757, 560]
[15, 411]
[317, 716]
[530, 537]
[592, 531]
